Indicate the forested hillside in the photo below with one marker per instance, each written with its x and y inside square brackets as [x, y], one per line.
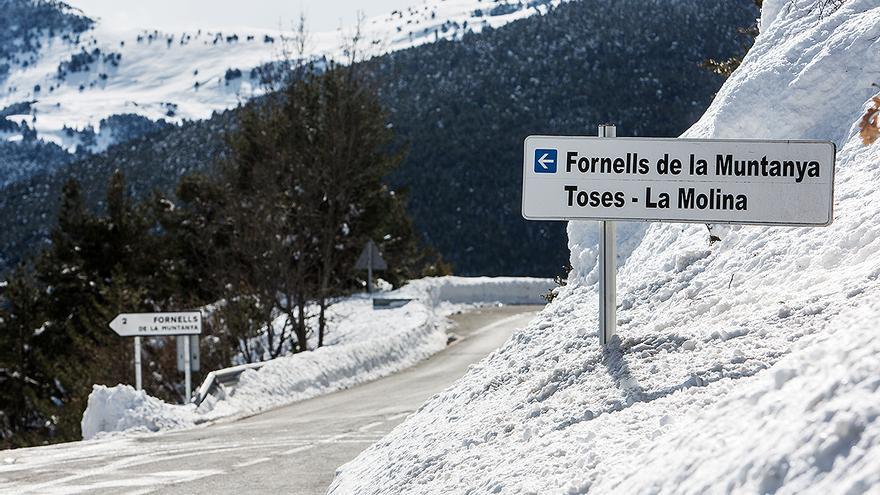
[462, 109]
[466, 107]
[153, 162]
[23, 27]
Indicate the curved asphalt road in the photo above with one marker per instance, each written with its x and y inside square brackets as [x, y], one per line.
[293, 449]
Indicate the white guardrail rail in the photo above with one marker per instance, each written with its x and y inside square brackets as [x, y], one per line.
[220, 383]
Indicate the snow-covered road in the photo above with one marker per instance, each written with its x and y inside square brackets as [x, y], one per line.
[292, 449]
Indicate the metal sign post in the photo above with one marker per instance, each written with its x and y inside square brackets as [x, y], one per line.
[139, 384]
[187, 361]
[607, 266]
[194, 358]
[369, 260]
[711, 181]
[370, 267]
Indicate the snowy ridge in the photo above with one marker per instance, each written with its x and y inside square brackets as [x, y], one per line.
[747, 365]
[364, 344]
[78, 80]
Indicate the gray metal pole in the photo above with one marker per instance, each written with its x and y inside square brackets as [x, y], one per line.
[607, 266]
[187, 366]
[370, 267]
[138, 381]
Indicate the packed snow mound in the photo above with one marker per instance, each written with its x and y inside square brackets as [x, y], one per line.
[769, 10]
[805, 77]
[745, 365]
[363, 344]
[122, 408]
[811, 423]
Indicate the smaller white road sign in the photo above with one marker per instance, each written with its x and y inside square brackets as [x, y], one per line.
[678, 180]
[152, 324]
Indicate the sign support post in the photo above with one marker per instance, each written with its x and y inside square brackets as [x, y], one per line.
[138, 381]
[708, 181]
[370, 268]
[369, 260]
[187, 360]
[137, 325]
[607, 266]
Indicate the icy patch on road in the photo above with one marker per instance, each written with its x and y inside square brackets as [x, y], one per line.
[746, 365]
[365, 344]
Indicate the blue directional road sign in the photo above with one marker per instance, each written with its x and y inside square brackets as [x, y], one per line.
[545, 161]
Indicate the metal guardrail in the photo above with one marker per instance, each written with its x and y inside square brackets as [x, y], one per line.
[220, 383]
[389, 303]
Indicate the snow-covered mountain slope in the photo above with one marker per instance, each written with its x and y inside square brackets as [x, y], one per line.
[748, 365]
[554, 73]
[75, 79]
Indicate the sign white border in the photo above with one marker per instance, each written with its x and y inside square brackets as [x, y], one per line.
[528, 164]
[126, 324]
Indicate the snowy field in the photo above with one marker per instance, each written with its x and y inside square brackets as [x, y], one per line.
[364, 344]
[748, 365]
[179, 76]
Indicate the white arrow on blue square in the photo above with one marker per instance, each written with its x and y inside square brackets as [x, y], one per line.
[545, 161]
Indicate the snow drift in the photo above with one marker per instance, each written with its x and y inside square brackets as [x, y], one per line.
[122, 408]
[375, 345]
[364, 344]
[475, 290]
[746, 365]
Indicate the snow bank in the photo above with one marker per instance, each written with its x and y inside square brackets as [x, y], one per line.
[809, 424]
[471, 290]
[122, 408]
[363, 344]
[748, 365]
[367, 345]
[769, 10]
[381, 343]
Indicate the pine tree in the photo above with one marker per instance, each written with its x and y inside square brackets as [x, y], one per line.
[26, 393]
[96, 267]
[290, 209]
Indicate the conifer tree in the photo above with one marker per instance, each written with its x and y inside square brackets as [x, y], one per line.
[26, 392]
[299, 196]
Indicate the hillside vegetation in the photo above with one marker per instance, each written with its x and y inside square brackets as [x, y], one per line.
[465, 108]
[462, 108]
[25, 24]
